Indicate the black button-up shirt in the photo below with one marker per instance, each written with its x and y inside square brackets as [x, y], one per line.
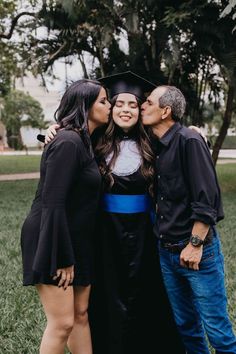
[187, 189]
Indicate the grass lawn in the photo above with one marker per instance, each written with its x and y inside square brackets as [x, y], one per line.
[22, 319]
[19, 164]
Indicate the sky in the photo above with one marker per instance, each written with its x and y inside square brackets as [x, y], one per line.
[74, 72]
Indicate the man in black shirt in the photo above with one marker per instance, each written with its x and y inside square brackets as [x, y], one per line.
[188, 208]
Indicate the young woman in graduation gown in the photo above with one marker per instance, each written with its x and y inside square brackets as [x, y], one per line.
[56, 235]
[129, 309]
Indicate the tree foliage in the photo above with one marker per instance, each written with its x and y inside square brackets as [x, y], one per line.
[230, 10]
[11, 54]
[17, 108]
[20, 109]
[189, 44]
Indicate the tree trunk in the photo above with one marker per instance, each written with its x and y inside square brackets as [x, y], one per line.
[99, 51]
[81, 59]
[14, 139]
[226, 123]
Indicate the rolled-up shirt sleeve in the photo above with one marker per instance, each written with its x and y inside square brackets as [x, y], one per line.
[55, 248]
[202, 180]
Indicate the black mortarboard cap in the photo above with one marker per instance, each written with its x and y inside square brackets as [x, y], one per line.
[127, 82]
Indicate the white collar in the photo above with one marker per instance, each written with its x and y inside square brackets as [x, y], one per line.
[129, 159]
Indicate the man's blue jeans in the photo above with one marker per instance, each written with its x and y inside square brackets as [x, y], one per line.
[198, 299]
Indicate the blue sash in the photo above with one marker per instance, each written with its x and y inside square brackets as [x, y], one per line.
[127, 204]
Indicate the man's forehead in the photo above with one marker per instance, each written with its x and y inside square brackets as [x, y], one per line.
[156, 93]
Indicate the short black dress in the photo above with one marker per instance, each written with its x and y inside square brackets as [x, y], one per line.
[58, 231]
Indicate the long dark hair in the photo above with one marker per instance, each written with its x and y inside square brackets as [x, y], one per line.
[109, 143]
[75, 105]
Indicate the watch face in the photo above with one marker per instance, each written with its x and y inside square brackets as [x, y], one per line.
[195, 241]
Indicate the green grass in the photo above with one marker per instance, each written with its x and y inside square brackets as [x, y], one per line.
[19, 164]
[22, 320]
[227, 229]
[227, 177]
[229, 142]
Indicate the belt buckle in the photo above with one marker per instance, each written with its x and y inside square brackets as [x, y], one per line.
[172, 247]
[177, 248]
[166, 245]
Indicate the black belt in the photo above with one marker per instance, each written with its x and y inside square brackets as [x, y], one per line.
[177, 247]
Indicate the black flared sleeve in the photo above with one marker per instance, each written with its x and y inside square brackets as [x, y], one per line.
[55, 246]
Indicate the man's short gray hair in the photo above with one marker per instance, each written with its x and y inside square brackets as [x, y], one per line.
[174, 98]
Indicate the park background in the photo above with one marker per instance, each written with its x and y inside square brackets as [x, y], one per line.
[47, 44]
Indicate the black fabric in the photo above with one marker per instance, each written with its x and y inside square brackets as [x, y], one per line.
[41, 138]
[129, 311]
[58, 230]
[187, 189]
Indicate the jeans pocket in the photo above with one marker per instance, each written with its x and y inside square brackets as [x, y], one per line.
[207, 257]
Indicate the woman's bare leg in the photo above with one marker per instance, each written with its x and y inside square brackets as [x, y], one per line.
[79, 341]
[58, 306]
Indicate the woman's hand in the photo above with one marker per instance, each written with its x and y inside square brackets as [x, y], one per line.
[51, 132]
[198, 130]
[66, 276]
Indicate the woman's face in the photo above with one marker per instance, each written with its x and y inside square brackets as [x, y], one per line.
[125, 112]
[99, 113]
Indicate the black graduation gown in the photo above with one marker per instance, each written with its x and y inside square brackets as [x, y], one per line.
[58, 229]
[128, 295]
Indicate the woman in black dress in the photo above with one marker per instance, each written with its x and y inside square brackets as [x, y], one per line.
[56, 235]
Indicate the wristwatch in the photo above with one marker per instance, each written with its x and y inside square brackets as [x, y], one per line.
[196, 241]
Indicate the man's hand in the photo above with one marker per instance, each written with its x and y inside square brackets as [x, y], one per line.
[51, 132]
[191, 256]
[198, 130]
[66, 276]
